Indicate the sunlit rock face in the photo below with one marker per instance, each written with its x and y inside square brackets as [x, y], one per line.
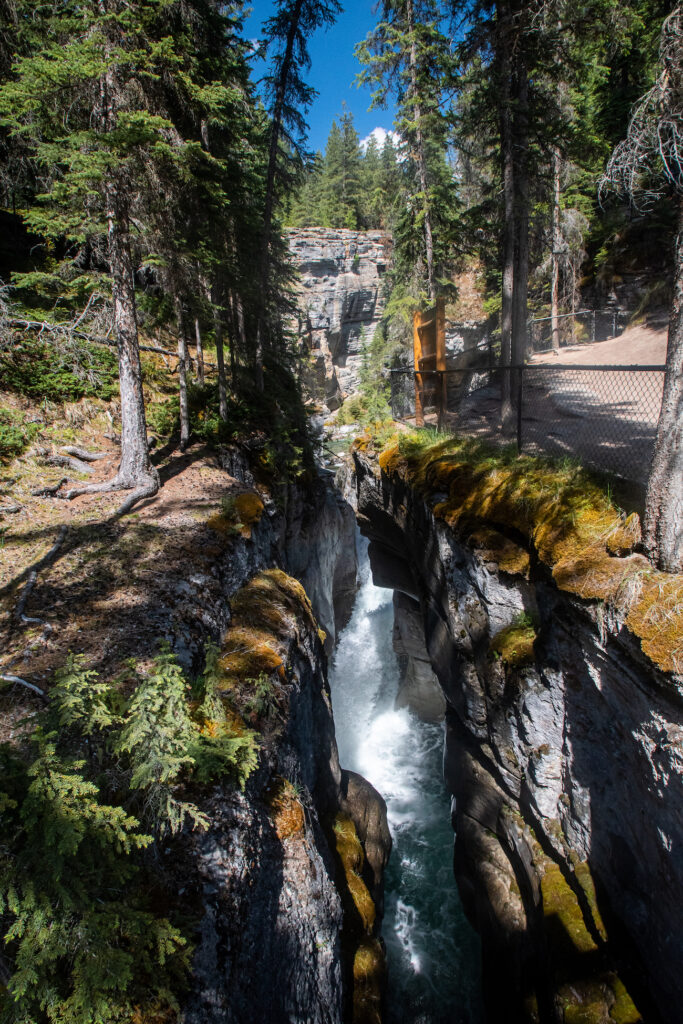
[340, 301]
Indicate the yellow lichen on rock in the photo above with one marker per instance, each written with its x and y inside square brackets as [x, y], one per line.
[562, 513]
[515, 645]
[369, 969]
[351, 854]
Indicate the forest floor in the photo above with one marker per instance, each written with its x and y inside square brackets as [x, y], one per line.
[111, 586]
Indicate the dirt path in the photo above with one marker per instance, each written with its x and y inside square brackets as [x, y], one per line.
[637, 346]
[607, 419]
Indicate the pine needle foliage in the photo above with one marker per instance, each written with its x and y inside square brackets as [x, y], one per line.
[157, 736]
[82, 804]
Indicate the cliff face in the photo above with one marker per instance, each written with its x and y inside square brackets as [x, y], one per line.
[340, 301]
[563, 756]
[271, 894]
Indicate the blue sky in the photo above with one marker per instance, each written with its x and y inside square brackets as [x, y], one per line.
[333, 70]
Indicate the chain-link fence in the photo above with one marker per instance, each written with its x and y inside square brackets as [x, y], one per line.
[584, 325]
[606, 416]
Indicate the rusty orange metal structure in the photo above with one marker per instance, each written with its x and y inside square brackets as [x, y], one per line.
[429, 353]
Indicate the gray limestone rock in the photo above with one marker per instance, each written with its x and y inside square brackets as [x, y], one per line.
[340, 301]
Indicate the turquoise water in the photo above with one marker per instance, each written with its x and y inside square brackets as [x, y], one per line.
[433, 953]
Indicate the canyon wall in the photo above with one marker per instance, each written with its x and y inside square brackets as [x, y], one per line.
[341, 301]
[564, 758]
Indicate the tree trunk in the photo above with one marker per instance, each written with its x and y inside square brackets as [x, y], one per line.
[556, 243]
[215, 298]
[663, 521]
[421, 158]
[520, 149]
[135, 468]
[503, 42]
[200, 353]
[182, 373]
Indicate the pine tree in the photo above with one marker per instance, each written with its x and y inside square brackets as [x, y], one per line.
[287, 34]
[408, 54]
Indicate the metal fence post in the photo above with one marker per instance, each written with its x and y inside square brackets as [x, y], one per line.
[593, 326]
[614, 323]
[519, 410]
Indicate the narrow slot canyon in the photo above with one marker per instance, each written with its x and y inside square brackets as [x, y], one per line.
[433, 953]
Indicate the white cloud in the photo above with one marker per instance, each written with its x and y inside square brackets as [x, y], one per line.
[379, 135]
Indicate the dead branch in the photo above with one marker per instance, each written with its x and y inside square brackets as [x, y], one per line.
[10, 509]
[23, 682]
[25, 594]
[81, 453]
[70, 330]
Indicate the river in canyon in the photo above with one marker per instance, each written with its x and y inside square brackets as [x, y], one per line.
[433, 953]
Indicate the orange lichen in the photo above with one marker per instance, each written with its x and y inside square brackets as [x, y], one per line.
[492, 546]
[286, 809]
[239, 513]
[562, 513]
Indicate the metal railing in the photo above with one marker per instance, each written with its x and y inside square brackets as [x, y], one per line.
[605, 416]
[583, 325]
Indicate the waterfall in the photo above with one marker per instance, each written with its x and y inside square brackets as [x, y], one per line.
[433, 953]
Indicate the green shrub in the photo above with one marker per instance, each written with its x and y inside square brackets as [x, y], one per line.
[60, 372]
[100, 784]
[15, 433]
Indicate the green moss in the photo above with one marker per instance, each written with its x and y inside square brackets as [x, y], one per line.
[239, 514]
[515, 645]
[266, 613]
[560, 901]
[492, 546]
[623, 1011]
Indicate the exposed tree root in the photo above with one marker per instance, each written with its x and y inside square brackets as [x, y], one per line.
[148, 491]
[146, 487]
[70, 463]
[51, 490]
[81, 453]
[23, 682]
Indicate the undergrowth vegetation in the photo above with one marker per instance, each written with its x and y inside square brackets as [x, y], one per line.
[59, 372]
[16, 433]
[87, 804]
[273, 423]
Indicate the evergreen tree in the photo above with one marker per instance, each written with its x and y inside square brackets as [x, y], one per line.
[286, 34]
[341, 176]
[408, 54]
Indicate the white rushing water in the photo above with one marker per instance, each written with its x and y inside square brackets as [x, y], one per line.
[433, 953]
